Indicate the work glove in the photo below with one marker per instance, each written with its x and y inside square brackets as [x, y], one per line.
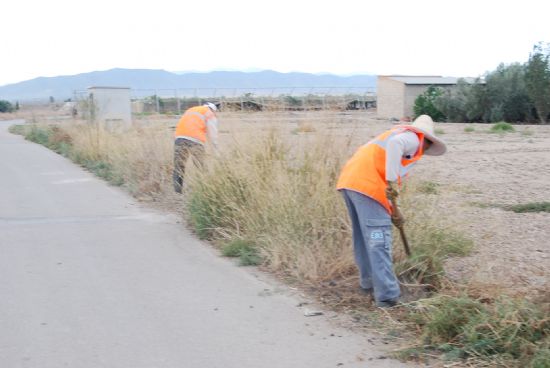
[392, 190]
[397, 218]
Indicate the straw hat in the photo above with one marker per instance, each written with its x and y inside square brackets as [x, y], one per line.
[424, 124]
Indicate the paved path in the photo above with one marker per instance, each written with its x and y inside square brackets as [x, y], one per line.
[91, 279]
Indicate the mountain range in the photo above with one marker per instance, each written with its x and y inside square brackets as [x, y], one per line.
[146, 82]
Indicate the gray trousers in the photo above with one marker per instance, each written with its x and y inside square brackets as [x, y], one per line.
[372, 244]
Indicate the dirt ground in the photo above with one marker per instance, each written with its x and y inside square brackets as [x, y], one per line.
[481, 172]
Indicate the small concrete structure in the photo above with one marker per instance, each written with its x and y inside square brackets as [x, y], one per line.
[396, 93]
[110, 105]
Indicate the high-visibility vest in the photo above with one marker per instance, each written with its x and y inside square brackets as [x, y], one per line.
[193, 124]
[365, 172]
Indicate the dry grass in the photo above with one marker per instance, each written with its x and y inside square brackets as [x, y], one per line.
[269, 198]
[140, 159]
[280, 196]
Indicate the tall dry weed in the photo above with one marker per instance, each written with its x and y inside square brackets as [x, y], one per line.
[281, 197]
[140, 157]
[278, 192]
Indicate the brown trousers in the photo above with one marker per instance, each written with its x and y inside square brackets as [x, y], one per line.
[183, 150]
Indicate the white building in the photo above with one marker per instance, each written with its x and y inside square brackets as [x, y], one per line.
[110, 105]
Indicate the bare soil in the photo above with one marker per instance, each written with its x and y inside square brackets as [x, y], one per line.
[482, 173]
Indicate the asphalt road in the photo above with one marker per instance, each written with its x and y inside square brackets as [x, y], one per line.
[90, 278]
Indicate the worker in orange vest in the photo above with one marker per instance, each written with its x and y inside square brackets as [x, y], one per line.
[196, 126]
[368, 183]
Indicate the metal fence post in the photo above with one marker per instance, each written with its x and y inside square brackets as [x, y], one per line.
[157, 103]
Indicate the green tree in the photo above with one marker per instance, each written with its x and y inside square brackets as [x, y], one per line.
[5, 106]
[537, 78]
[507, 96]
[464, 103]
[426, 104]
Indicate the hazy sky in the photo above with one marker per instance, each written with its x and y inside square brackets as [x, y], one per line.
[450, 38]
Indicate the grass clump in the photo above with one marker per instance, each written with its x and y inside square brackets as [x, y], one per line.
[513, 331]
[430, 247]
[530, 207]
[304, 127]
[17, 129]
[428, 187]
[244, 250]
[502, 127]
[439, 131]
[469, 129]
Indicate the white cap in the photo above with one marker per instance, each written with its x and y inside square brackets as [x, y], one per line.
[211, 106]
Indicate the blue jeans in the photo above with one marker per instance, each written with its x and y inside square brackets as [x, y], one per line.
[372, 244]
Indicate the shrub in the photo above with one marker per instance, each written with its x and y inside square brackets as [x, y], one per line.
[5, 106]
[513, 330]
[425, 104]
[502, 97]
[502, 127]
[464, 104]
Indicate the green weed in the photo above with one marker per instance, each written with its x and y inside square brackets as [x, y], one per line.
[530, 207]
[428, 187]
[511, 330]
[244, 250]
[502, 127]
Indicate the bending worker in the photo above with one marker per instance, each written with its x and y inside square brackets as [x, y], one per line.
[368, 183]
[197, 125]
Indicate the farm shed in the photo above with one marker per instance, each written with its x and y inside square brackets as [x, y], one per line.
[110, 105]
[396, 93]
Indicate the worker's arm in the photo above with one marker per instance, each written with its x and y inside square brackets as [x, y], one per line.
[399, 146]
[212, 130]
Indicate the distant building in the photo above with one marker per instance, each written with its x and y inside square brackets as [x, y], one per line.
[110, 105]
[396, 93]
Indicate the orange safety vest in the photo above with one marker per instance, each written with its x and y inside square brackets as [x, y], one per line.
[365, 172]
[193, 123]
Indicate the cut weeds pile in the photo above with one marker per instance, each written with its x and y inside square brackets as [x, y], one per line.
[270, 200]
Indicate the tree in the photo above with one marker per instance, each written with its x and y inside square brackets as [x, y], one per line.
[5, 106]
[507, 95]
[426, 104]
[537, 78]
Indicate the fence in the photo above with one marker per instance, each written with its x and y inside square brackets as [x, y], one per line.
[175, 101]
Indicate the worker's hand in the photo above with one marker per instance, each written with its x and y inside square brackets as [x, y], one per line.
[392, 190]
[397, 218]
